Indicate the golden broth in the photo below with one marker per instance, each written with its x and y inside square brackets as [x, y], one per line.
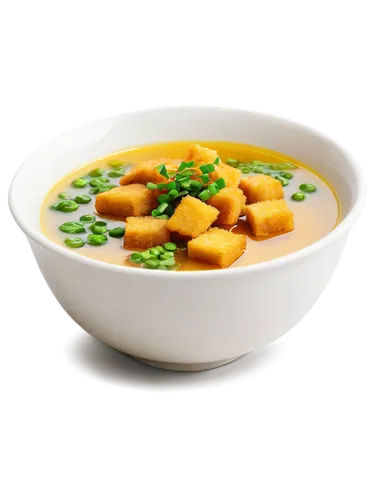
[315, 217]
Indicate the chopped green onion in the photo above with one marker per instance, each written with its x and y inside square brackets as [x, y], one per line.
[116, 173]
[169, 210]
[181, 193]
[185, 184]
[96, 239]
[163, 216]
[171, 186]
[213, 189]
[98, 181]
[87, 218]
[161, 186]
[286, 175]
[152, 263]
[162, 207]
[82, 198]
[182, 177]
[97, 172]
[79, 183]
[195, 184]
[298, 196]
[117, 232]
[170, 247]
[155, 213]
[115, 163]
[64, 196]
[205, 178]
[74, 242]
[173, 193]
[72, 227]
[232, 162]
[284, 182]
[205, 169]
[151, 185]
[164, 198]
[220, 183]
[106, 187]
[184, 165]
[204, 195]
[166, 256]
[155, 251]
[169, 262]
[136, 257]
[162, 169]
[308, 188]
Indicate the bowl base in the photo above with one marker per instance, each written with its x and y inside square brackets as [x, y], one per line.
[185, 367]
[98, 362]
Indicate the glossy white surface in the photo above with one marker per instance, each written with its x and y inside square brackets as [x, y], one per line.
[250, 307]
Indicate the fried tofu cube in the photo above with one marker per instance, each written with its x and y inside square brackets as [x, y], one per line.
[230, 174]
[230, 202]
[125, 201]
[145, 232]
[192, 217]
[261, 188]
[146, 172]
[268, 217]
[218, 247]
[200, 155]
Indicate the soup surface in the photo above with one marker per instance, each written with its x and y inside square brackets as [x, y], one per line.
[314, 217]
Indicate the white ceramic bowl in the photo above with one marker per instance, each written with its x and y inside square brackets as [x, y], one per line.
[192, 320]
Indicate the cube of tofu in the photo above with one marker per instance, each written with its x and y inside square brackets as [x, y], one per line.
[192, 217]
[230, 202]
[268, 217]
[230, 174]
[125, 201]
[200, 155]
[145, 232]
[261, 188]
[146, 172]
[218, 247]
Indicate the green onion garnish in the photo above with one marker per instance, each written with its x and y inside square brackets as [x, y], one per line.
[204, 195]
[162, 207]
[162, 169]
[164, 198]
[184, 165]
[220, 183]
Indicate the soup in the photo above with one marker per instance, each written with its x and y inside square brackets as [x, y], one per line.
[183, 207]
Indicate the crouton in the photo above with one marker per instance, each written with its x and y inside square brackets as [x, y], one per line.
[261, 188]
[145, 232]
[200, 155]
[125, 201]
[146, 172]
[192, 217]
[218, 247]
[268, 217]
[230, 202]
[231, 175]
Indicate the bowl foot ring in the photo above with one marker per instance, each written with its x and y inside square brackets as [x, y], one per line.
[186, 367]
[102, 364]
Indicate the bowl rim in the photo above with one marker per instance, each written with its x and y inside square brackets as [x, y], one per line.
[298, 256]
